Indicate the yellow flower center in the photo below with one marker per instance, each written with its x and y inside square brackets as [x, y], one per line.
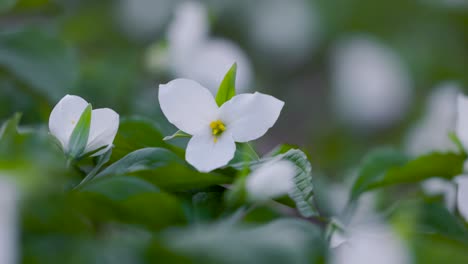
[217, 128]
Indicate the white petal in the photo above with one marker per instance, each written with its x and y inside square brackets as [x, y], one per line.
[249, 116]
[462, 120]
[271, 180]
[64, 117]
[104, 126]
[188, 105]
[462, 195]
[206, 155]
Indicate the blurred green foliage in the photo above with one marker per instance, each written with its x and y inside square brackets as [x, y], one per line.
[146, 205]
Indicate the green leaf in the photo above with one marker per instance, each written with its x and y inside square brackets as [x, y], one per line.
[443, 165]
[178, 133]
[387, 167]
[435, 218]
[181, 178]
[282, 241]
[9, 129]
[303, 193]
[101, 160]
[373, 169]
[162, 168]
[137, 133]
[41, 61]
[119, 188]
[6, 5]
[141, 160]
[80, 134]
[227, 89]
[153, 210]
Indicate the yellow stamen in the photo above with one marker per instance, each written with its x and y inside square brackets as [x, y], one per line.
[217, 128]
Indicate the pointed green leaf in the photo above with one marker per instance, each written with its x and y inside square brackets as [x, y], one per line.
[388, 167]
[227, 89]
[80, 134]
[177, 134]
[373, 169]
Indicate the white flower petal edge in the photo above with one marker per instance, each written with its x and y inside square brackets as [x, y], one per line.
[249, 116]
[462, 120]
[67, 113]
[104, 127]
[462, 195]
[206, 155]
[64, 117]
[187, 105]
[271, 180]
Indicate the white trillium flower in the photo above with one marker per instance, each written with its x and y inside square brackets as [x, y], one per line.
[273, 179]
[192, 109]
[67, 113]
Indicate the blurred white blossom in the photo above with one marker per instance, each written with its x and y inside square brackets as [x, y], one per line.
[462, 195]
[283, 30]
[439, 186]
[273, 179]
[193, 109]
[431, 132]
[193, 54]
[371, 85]
[8, 221]
[369, 244]
[142, 19]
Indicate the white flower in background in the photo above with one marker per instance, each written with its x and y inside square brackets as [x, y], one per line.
[371, 85]
[439, 186]
[369, 244]
[283, 31]
[8, 221]
[431, 132]
[194, 55]
[273, 179]
[143, 19]
[67, 113]
[192, 108]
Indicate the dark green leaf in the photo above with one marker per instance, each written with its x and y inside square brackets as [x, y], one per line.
[41, 61]
[227, 89]
[137, 133]
[162, 168]
[119, 187]
[373, 169]
[141, 160]
[437, 219]
[180, 178]
[387, 167]
[80, 134]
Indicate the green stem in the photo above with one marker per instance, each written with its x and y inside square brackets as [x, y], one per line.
[253, 150]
